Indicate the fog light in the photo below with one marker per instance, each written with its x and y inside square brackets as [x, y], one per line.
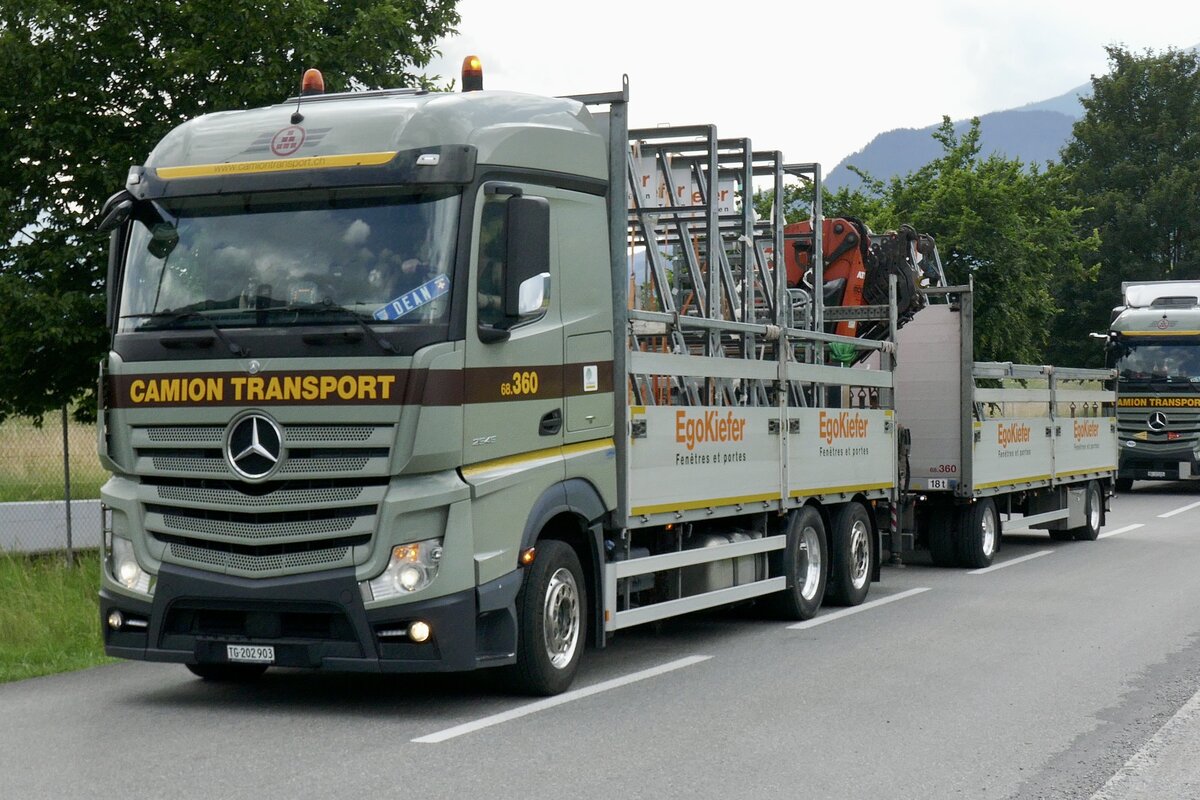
[115, 620]
[419, 631]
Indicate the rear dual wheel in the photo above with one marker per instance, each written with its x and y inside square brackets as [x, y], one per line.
[1093, 514]
[805, 565]
[978, 534]
[853, 556]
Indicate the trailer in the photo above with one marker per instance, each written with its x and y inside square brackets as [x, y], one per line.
[992, 445]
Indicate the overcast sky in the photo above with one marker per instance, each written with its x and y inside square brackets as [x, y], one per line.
[815, 80]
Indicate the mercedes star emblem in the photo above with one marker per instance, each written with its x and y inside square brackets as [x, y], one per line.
[254, 446]
[1157, 422]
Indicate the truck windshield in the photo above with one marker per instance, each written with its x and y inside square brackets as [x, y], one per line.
[259, 261]
[1159, 364]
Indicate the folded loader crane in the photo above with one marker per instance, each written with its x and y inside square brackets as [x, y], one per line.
[857, 264]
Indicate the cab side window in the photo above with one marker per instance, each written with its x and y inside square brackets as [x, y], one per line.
[493, 246]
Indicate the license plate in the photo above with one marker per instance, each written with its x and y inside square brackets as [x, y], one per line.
[251, 653]
[1154, 474]
[939, 483]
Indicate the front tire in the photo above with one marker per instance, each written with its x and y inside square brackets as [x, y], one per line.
[978, 534]
[805, 565]
[853, 557]
[552, 621]
[1124, 485]
[1093, 513]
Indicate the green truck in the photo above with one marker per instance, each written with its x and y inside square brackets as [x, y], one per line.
[414, 381]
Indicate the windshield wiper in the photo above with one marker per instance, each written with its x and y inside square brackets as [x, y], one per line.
[329, 308]
[168, 318]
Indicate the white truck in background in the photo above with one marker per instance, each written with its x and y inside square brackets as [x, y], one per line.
[1154, 345]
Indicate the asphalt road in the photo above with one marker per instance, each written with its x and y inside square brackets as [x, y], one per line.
[1040, 679]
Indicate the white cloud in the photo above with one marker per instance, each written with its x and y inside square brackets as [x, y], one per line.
[815, 80]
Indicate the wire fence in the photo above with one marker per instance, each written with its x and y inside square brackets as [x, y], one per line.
[50, 482]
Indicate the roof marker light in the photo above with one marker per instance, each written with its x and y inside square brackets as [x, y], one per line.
[313, 82]
[472, 74]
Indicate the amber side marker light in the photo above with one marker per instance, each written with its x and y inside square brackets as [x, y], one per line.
[472, 74]
[527, 556]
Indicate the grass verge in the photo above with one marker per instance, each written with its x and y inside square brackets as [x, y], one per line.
[50, 620]
[31, 460]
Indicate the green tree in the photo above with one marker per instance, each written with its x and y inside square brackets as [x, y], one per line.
[1134, 161]
[1010, 227]
[91, 85]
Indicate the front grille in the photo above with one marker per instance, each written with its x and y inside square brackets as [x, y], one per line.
[250, 531]
[201, 494]
[322, 502]
[313, 450]
[303, 561]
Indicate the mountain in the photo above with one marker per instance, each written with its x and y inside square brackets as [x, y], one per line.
[1033, 133]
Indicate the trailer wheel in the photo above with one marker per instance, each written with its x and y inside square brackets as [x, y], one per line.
[853, 555]
[227, 673]
[1093, 512]
[552, 621]
[805, 565]
[941, 535]
[978, 534]
[1124, 485]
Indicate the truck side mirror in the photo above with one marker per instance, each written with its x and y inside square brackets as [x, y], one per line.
[528, 254]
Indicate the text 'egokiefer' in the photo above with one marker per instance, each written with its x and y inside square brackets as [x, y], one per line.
[713, 426]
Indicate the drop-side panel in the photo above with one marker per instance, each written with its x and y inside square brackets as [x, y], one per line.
[841, 451]
[696, 457]
[1012, 451]
[1084, 445]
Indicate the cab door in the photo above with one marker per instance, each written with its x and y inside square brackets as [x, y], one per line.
[514, 364]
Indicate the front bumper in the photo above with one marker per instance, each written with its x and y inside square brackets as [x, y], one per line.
[316, 621]
[1146, 464]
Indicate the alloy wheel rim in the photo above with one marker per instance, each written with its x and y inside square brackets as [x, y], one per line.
[809, 566]
[860, 552]
[560, 616]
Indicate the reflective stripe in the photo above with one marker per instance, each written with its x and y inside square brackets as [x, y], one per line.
[275, 165]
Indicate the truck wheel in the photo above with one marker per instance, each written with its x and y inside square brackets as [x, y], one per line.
[552, 621]
[805, 565]
[227, 673]
[978, 534]
[941, 535]
[1124, 484]
[1093, 512]
[853, 555]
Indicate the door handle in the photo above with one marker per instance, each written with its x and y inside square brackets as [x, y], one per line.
[551, 423]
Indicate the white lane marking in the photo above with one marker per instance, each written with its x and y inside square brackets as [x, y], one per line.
[1188, 507]
[845, 612]
[1180, 725]
[1119, 531]
[1010, 562]
[558, 700]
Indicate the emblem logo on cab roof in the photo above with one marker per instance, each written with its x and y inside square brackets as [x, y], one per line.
[288, 140]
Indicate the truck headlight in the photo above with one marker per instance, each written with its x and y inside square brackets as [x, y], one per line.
[412, 567]
[125, 568]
